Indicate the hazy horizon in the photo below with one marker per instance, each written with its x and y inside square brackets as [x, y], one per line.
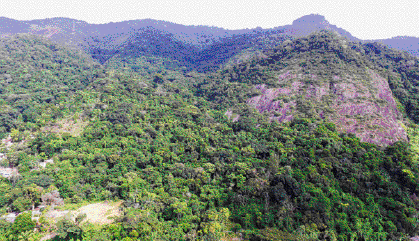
[364, 20]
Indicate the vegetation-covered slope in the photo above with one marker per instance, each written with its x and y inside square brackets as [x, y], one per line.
[35, 74]
[200, 48]
[187, 171]
[321, 76]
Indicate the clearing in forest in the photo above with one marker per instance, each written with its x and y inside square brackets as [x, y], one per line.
[98, 213]
[71, 126]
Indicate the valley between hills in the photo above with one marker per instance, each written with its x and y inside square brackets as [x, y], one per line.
[151, 130]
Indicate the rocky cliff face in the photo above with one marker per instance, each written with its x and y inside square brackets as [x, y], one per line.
[365, 108]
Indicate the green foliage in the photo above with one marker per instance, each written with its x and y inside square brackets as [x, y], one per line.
[31, 89]
[402, 72]
[22, 224]
[5, 229]
[163, 144]
[68, 230]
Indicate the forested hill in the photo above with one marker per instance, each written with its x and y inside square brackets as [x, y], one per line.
[146, 45]
[255, 151]
[35, 74]
[325, 76]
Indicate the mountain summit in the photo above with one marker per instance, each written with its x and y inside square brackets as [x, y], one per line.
[312, 19]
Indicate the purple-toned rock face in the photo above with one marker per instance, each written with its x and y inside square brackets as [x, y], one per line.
[232, 116]
[365, 108]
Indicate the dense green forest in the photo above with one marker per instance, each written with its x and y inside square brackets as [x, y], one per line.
[184, 170]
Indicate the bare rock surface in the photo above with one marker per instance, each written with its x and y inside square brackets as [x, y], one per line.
[364, 107]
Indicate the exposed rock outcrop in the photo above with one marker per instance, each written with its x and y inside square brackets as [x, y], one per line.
[365, 108]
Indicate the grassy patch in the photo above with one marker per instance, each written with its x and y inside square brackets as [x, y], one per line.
[73, 206]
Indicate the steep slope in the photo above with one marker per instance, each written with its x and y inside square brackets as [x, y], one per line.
[402, 73]
[322, 76]
[365, 109]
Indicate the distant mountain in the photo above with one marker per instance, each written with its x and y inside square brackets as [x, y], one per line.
[314, 22]
[11, 26]
[403, 43]
[200, 48]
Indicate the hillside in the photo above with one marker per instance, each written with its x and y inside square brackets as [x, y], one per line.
[201, 48]
[305, 140]
[322, 76]
[35, 74]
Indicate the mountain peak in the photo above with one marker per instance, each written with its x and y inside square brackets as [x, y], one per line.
[312, 19]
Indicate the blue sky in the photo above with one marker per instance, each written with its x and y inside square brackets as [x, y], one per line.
[365, 19]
